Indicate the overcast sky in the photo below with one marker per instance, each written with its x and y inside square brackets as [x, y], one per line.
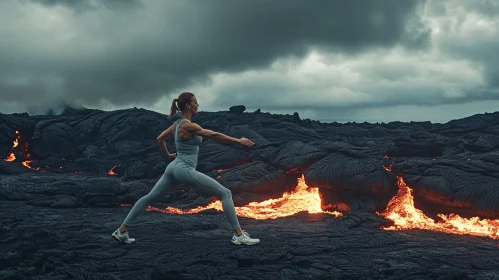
[327, 60]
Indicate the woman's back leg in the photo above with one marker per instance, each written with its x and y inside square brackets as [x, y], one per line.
[165, 184]
[210, 186]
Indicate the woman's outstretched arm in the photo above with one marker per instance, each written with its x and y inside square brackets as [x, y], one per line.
[216, 136]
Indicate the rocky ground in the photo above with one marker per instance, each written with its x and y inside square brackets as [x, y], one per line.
[52, 243]
[64, 176]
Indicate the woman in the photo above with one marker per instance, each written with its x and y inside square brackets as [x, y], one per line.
[182, 170]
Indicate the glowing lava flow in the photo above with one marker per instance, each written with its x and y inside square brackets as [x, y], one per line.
[401, 210]
[11, 156]
[23, 152]
[301, 199]
[27, 162]
[111, 172]
[218, 171]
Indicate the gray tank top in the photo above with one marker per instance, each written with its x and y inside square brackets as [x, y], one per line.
[188, 147]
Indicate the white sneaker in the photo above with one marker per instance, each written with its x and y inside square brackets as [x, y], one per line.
[122, 237]
[245, 239]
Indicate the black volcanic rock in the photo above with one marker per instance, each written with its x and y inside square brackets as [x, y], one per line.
[257, 177]
[89, 166]
[294, 156]
[347, 180]
[214, 156]
[137, 170]
[404, 147]
[239, 131]
[346, 161]
[75, 243]
[238, 109]
[238, 119]
[275, 131]
[484, 143]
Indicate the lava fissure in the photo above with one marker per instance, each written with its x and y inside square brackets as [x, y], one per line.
[302, 199]
[400, 210]
[27, 162]
[405, 216]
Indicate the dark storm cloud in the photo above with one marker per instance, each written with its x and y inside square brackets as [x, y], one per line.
[84, 5]
[460, 66]
[483, 51]
[489, 8]
[471, 32]
[137, 55]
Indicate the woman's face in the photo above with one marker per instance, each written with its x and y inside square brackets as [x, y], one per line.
[193, 105]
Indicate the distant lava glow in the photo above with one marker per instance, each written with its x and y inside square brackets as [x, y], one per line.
[11, 156]
[27, 162]
[111, 171]
[219, 171]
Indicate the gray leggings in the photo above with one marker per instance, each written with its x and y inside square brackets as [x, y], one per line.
[179, 172]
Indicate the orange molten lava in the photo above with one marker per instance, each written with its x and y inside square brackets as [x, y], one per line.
[124, 204]
[301, 199]
[11, 156]
[218, 171]
[111, 172]
[26, 163]
[401, 210]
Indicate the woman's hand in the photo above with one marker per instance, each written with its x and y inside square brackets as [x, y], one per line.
[172, 156]
[246, 142]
